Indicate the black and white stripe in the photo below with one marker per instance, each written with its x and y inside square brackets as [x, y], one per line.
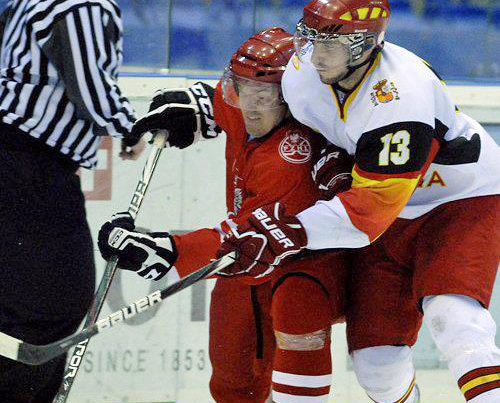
[58, 71]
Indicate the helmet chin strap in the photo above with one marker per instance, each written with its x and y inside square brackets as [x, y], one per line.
[352, 69]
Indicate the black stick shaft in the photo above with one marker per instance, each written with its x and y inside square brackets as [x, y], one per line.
[35, 355]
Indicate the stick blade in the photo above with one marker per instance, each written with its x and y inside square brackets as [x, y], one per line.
[9, 346]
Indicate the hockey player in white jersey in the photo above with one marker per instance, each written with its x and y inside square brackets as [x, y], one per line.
[423, 207]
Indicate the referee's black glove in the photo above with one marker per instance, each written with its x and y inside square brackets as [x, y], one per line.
[186, 113]
[150, 255]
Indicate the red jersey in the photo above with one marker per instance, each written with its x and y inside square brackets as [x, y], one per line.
[258, 172]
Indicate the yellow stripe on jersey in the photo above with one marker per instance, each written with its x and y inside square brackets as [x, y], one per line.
[408, 392]
[373, 205]
[342, 109]
[337, 102]
[361, 182]
[434, 71]
[479, 381]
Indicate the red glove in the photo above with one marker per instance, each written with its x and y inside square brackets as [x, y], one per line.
[332, 170]
[263, 241]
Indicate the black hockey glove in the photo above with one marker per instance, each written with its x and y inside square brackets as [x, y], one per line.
[151, 255]
[186, 113]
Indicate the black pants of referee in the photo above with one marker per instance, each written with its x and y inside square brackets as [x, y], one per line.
[47, 271]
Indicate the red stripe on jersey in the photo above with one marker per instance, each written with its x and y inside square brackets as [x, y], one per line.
[479, 390]
[383, 177]
[476, 373]
[301, 391]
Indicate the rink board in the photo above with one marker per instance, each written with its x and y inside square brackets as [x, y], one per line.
[162, 356]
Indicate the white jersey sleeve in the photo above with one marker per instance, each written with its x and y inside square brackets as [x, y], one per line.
[401, 125]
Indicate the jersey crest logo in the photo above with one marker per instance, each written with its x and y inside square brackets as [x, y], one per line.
[384, 93]
[296, 63]
[295, 148]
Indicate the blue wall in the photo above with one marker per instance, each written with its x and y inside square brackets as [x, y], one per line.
[460, 38]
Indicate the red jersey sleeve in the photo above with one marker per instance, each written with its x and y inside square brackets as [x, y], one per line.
[196, 250]
[271, 174]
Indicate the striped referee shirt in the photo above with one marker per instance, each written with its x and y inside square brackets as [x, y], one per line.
[58, 72]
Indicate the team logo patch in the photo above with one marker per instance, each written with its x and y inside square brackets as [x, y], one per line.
[384, 93]
[295, 148]
[296, 63]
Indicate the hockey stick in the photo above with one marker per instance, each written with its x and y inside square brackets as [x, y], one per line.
[109, 272]
[32, 354]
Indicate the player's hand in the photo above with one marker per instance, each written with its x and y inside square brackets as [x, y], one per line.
[131, 153]
[332, 170]
[186, 113]
[151, 255]
[263, 242]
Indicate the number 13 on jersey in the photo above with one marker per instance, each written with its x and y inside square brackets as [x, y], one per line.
[399, 157]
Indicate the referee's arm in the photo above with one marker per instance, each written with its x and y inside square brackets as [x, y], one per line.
[83, 47]
[3, 19]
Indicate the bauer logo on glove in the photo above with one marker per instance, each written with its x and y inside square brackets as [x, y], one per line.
[268, 237]
[277, 233]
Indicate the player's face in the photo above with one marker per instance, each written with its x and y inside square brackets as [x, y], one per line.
[258, 123]
[331, 60]
[261, 105]
[256, 95]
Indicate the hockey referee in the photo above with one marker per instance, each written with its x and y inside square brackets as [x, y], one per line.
[58, 97]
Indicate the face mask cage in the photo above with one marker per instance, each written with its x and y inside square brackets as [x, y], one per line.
[356, 43]
[250, 95]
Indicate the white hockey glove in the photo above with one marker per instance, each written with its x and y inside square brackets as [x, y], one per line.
[151, 255]
[186, 113]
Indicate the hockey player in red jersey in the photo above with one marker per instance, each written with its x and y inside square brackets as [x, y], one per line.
[274, 330]
[423, 207]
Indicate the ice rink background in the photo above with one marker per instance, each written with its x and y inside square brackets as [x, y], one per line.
[162, 356]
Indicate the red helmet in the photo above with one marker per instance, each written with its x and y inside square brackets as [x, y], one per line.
[264, 56]
[358, 24]
[347, 16]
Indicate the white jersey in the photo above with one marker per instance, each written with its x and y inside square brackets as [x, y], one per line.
[413, 149]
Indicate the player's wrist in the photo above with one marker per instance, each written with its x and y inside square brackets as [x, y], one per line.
[300, 231]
